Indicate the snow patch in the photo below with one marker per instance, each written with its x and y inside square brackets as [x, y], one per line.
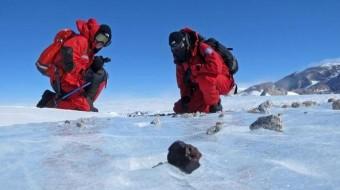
[10, 115]
[290, 93]
[330, 62]
[142, 124]
[297, 167]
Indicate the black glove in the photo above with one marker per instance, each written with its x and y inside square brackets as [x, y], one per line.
[98, 62]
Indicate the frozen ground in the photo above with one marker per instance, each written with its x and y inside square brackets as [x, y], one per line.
[39, 150]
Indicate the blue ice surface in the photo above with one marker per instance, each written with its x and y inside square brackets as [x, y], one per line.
[119, 152]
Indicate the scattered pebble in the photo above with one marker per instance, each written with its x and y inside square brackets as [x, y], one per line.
[331, 100]
[78, 124]
[336, 105]
[156, 121]
[296, 104]
[309, 103]
[214, 129]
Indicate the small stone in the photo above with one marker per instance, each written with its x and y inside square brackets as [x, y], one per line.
[175, 116]
[137, 114]
[262, 108]
[308, 103]
[331, 100]
[221, 115]
[214, 129]
[305, 112]
[296, 104]
[67, 122]
[265, 106]
[156, 121]
[78, 124]
[271, 122]
[336, 105]
[253, 110]
[285, 106]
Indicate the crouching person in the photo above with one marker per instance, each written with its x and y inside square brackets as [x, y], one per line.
[202, 75]
[76, 75]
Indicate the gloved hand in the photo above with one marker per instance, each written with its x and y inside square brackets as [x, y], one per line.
[98, 62]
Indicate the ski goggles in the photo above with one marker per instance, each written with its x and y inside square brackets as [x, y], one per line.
[175, 46]
[104, 39]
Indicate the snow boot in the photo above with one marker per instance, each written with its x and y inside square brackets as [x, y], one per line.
[47, 100]
[216, 108]
[90, 101]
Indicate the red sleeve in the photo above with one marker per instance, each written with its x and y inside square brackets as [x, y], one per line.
[212, 61]
[180, 75]
[80, 60]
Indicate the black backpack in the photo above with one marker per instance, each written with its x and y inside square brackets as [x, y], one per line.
[228, 58]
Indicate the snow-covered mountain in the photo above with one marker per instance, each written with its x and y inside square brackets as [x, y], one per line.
[322, 79]
[78, 150]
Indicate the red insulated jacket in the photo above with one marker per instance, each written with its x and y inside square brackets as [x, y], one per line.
[208, 73]
[77, 54]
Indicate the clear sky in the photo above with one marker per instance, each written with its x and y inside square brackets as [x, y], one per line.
[271, 39]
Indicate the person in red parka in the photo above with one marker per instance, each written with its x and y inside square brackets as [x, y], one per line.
[79, 70]
[201, 73]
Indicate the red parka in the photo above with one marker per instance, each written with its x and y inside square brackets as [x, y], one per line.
[80, 52]
[209, 75]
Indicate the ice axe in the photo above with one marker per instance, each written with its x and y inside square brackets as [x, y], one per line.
[74, 91]
[105, 60]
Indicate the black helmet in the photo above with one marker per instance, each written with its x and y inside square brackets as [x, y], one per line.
[104, 35]
[179, 44]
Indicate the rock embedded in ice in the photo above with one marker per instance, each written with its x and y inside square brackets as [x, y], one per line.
[156, 121]
[184, 156]
[285, 106]
[330, 100]
[137, 114]
[262, 108]
[265, 106]
[309, 103]
[271, 122]
[79, 124]
[214, 129]
[296, 104]
[336, 105]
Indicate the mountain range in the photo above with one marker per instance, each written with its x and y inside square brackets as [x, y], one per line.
[321, 79]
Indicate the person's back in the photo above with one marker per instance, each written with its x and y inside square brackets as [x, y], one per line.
[201, 73]
[79, 75]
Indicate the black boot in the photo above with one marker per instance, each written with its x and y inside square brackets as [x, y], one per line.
[216, 108]
[47, 100]
[90, 101]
